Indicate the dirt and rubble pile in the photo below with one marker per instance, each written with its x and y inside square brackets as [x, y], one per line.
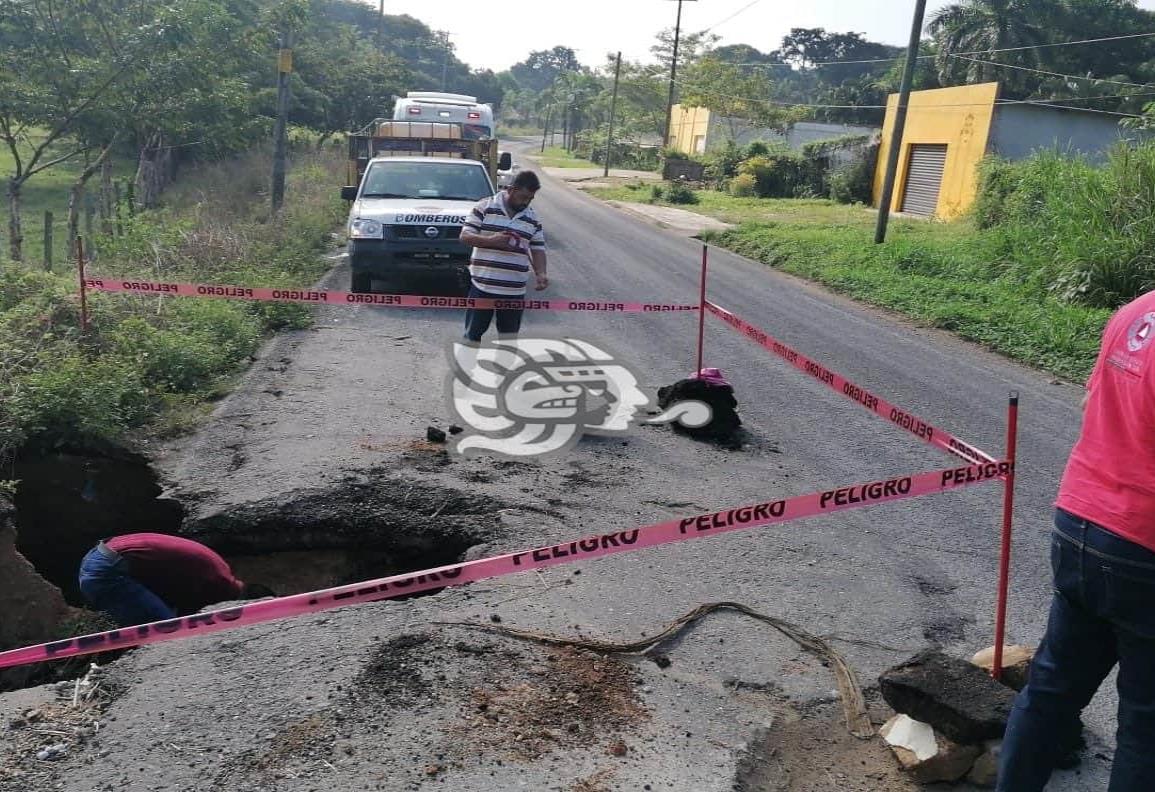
[32, 607]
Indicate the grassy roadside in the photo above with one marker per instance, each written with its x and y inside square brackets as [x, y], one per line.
[945, 275]
[149, 363]
[48, 191]
[556, 157]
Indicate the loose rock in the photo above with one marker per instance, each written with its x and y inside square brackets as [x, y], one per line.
[1016, 664]
[957, 698]
[985, 771]
[926, 756]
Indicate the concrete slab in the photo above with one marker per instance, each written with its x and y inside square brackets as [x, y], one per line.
[679, 220]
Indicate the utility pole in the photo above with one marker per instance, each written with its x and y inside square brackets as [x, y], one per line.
[887, 196]
[380, 23]
[284, 70]
[445, 58]
[673, 72]
[613, 111]
[545, 129]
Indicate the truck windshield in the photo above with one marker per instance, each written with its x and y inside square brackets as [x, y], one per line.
[427, 179]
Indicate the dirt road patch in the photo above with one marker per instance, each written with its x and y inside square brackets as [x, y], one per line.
[574, 697]
[814, 753]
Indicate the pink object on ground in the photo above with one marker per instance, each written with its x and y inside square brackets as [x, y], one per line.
[710, 375]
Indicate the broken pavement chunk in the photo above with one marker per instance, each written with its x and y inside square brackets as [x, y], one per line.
[958, 699]
[926, 756]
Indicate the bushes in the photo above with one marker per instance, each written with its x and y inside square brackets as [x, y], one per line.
[1085, 233]
[143, 353]
[742, 186]
[681, 194]
[782, 175]
[854, 181]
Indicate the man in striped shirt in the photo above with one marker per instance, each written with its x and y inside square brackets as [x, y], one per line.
[507, 242]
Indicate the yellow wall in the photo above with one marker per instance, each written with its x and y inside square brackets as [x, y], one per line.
[686, 123]
[959, 117]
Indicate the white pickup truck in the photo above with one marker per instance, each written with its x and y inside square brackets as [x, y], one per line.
[413, 197]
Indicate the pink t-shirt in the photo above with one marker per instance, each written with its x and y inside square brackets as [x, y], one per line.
[1110, 477]
[185, 574]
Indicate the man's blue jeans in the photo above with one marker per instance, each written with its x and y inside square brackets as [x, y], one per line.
[477, 320]
[1102, 613]
[106, 584]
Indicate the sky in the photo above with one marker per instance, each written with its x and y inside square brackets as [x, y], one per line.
[498, 35]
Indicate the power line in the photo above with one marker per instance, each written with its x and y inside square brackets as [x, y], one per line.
[951, 54]
[741, 10]
[1049, 73]
[817, 106]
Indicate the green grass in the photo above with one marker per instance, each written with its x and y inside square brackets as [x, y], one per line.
[944, 275]
[48, 191]
[556, 157]
[504, 131]
[147, 364]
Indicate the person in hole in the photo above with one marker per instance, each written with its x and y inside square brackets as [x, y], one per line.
[146, 577]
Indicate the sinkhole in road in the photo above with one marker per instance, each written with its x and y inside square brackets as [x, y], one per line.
[362, 527]
[359, 528]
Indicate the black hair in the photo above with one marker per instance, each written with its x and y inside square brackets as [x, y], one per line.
[526, 180]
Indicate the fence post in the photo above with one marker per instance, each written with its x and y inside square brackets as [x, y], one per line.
[117, 199]
[1005, 550]
[89, 214]
[48, 241]
[83, 286]
[702, 309]
[131, 198]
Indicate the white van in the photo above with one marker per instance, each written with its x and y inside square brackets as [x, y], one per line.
[476, 119]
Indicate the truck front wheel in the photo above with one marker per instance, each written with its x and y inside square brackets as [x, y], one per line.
[362, 283]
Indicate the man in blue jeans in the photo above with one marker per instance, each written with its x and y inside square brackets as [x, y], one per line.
[146, 577]
[1103, 558]
[508, 241]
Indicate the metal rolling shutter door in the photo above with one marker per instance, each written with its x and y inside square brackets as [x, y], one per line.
[923, 179]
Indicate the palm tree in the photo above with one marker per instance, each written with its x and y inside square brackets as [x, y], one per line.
[982, 26]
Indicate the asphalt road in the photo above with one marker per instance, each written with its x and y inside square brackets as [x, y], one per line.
[344, 402]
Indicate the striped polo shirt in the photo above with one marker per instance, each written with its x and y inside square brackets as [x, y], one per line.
[500, 271]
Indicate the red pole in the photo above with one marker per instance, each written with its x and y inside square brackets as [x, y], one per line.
[1005, 553]
[83, 286]
[702, 310]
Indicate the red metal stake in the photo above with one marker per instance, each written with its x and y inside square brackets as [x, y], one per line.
[1005, 553]
[702, 310]
[83, 286]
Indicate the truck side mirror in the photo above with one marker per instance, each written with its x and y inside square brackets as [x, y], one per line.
[348, 193]
[505, 161]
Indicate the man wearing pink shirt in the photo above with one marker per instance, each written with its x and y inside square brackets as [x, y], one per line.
[148, 577]
[1103, 559]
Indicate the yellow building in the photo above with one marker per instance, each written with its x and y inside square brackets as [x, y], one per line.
[944, 141]
[689, 129]
[695, 130]
[950, 130]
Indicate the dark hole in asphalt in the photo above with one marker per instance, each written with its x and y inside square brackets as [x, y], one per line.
[360, 528]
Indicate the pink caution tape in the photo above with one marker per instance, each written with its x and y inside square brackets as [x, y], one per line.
[595, 546]
[324, 297]
[836, 382]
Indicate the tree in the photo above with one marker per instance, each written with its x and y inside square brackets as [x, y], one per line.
[538, 71]
[805, 47]
[728, 92]
[691, 47]
[980, 26]
[58, 63]
[341, 82]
